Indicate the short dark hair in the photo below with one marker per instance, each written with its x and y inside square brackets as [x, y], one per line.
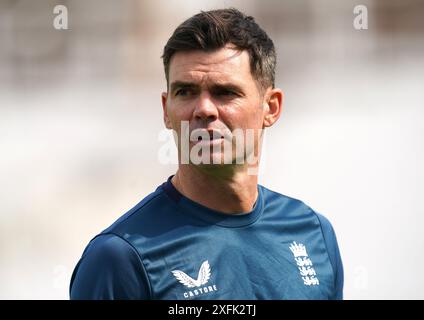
[210, 30]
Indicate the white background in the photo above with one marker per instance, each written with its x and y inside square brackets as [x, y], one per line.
[80, 117]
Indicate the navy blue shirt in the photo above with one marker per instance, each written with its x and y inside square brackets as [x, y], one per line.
[170, 247]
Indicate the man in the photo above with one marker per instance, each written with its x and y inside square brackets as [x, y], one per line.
[210, 231]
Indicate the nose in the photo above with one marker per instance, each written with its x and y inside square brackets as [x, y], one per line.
[205, 109]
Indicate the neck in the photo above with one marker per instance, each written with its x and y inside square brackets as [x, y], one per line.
[225, 188]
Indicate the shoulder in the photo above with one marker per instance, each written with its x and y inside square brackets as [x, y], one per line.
[107, 246]
[282, 204]
[295, 208]
[326, 227]
[333, 251]
[110, 268]
[142, 211]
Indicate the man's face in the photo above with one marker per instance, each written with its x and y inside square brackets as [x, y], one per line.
[215, 93]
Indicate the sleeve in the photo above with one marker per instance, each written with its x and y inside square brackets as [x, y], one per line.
[110, 268]
[334, 255]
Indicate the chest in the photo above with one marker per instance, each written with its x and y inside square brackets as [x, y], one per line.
[240, 265]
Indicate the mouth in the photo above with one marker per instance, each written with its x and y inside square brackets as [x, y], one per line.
[208, 137]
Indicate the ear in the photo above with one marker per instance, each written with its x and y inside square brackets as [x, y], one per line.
[273, 103]
[165, 111]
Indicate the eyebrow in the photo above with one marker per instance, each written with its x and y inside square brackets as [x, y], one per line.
[182, 84]
[228, 86]
[224, 85]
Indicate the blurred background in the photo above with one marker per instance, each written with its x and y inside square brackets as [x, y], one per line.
[80, 121]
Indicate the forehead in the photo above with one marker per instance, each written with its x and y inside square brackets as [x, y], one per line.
[224, 64]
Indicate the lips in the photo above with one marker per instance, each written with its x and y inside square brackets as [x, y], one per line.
[207, 136]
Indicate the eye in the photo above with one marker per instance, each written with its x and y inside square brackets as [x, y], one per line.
[182, 92]
[225, 93]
